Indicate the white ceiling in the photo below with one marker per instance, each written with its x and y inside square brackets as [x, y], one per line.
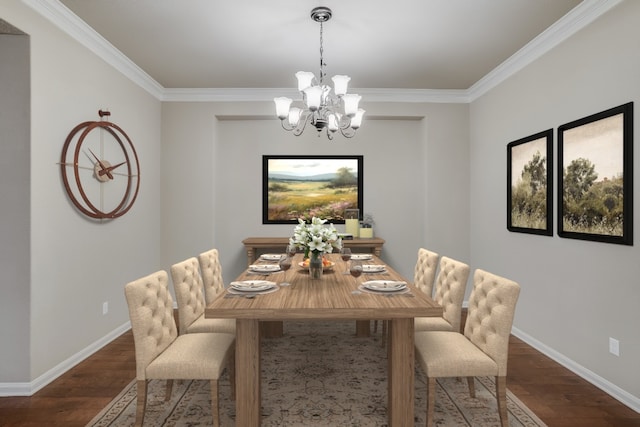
[405, 44]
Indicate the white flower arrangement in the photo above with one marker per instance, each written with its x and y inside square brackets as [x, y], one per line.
[315, 237]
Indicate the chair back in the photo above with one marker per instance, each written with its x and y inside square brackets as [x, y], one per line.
[151, 314]
[187, 284]
[425, 270]
[211, 274]
[451, 284]
[492, 305]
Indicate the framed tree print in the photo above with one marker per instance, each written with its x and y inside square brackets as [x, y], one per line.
[530, 184]
[595, 177]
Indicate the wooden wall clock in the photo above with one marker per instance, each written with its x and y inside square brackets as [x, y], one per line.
[100, 169]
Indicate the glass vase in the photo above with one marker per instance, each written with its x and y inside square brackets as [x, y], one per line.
[315, 265]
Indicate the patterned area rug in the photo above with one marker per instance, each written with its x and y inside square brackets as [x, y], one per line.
[318, 374]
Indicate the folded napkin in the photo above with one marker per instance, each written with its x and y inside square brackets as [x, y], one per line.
[252, 285]
[373, 268]
[264, 267]
[385, 285]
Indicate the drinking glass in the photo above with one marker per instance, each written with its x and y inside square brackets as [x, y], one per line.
[345, 253]
[291, 250]
[356, 270]
[285, 264]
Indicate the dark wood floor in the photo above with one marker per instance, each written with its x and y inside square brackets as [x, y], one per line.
[556, 395]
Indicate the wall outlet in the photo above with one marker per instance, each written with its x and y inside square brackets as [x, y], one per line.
[614, 346]
[105, 307]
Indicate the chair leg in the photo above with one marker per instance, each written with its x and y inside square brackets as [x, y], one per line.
[215, 408]
[431, 400]
[472, 388]
[501, 396]
[168, 389]
[141, 391]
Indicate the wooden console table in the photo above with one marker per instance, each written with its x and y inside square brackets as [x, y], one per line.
[252, 244]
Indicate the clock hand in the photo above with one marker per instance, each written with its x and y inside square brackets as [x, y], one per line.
[102, 166]
[110, 168]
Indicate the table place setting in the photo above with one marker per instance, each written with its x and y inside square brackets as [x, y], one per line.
[361, 257]
[250, 288]
[385, 287]
[264, 268]
[374, 268]
[271, 257]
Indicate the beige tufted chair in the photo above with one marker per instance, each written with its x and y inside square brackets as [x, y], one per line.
[450, 286]
[161, 353]
[425, 270]
[484, 347]
[211, 274]
[187, 284]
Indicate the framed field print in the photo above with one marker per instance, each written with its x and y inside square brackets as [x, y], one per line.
[306, 186]
[595, 177]
[530, 184]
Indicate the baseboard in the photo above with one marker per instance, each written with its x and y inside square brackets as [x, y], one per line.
[28, 389]
[611, 389]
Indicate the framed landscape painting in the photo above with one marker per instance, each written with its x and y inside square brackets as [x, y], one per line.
[530, 184]
[595, 177]
[306, 186]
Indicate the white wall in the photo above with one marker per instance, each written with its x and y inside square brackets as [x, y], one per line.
[414, 184]
[77, 264]
[575, 294]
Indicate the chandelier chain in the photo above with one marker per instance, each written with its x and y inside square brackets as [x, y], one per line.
[322, 64]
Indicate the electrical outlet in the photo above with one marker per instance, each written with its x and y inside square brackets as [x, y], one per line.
[614, 346]
[105, 307]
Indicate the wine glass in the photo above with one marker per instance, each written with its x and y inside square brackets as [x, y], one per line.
[356, 270]
[285, 264]
[291, 250]
[345, 253]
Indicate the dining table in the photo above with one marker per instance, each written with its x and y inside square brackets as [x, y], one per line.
[335, 296]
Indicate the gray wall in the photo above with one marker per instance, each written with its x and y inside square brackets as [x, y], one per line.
[575, 294]
[15, 194]
[414, 184]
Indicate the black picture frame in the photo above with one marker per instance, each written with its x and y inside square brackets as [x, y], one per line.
[530, 184]
[303, 186]
[595, 177]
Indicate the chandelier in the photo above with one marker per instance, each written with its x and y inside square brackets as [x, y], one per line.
[323, 109]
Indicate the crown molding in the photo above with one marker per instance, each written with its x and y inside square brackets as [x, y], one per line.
[261, 94]
[68, 22]
[578, 18]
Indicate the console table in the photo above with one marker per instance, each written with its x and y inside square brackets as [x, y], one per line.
[252, 244]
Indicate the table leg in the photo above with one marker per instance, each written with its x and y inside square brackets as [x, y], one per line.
[363, 328]
[251, 255]
[271, 329]
[248, 399]
[401, 372]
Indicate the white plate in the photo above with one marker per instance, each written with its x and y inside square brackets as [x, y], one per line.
[384, 285]
[264, 268]
[361, 257]
[271, 257]
[373, 268]
[252, 285]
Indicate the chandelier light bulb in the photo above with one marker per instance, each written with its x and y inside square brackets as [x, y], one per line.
[351, 104]
[340, 84]
[294, 116]
[305, 79]
[282, 107]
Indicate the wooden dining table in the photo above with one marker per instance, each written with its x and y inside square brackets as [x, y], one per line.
[336, 296]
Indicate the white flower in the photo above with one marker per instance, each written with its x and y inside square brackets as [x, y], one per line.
[315, 237]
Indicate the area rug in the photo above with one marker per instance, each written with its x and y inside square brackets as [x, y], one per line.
[318, 374]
